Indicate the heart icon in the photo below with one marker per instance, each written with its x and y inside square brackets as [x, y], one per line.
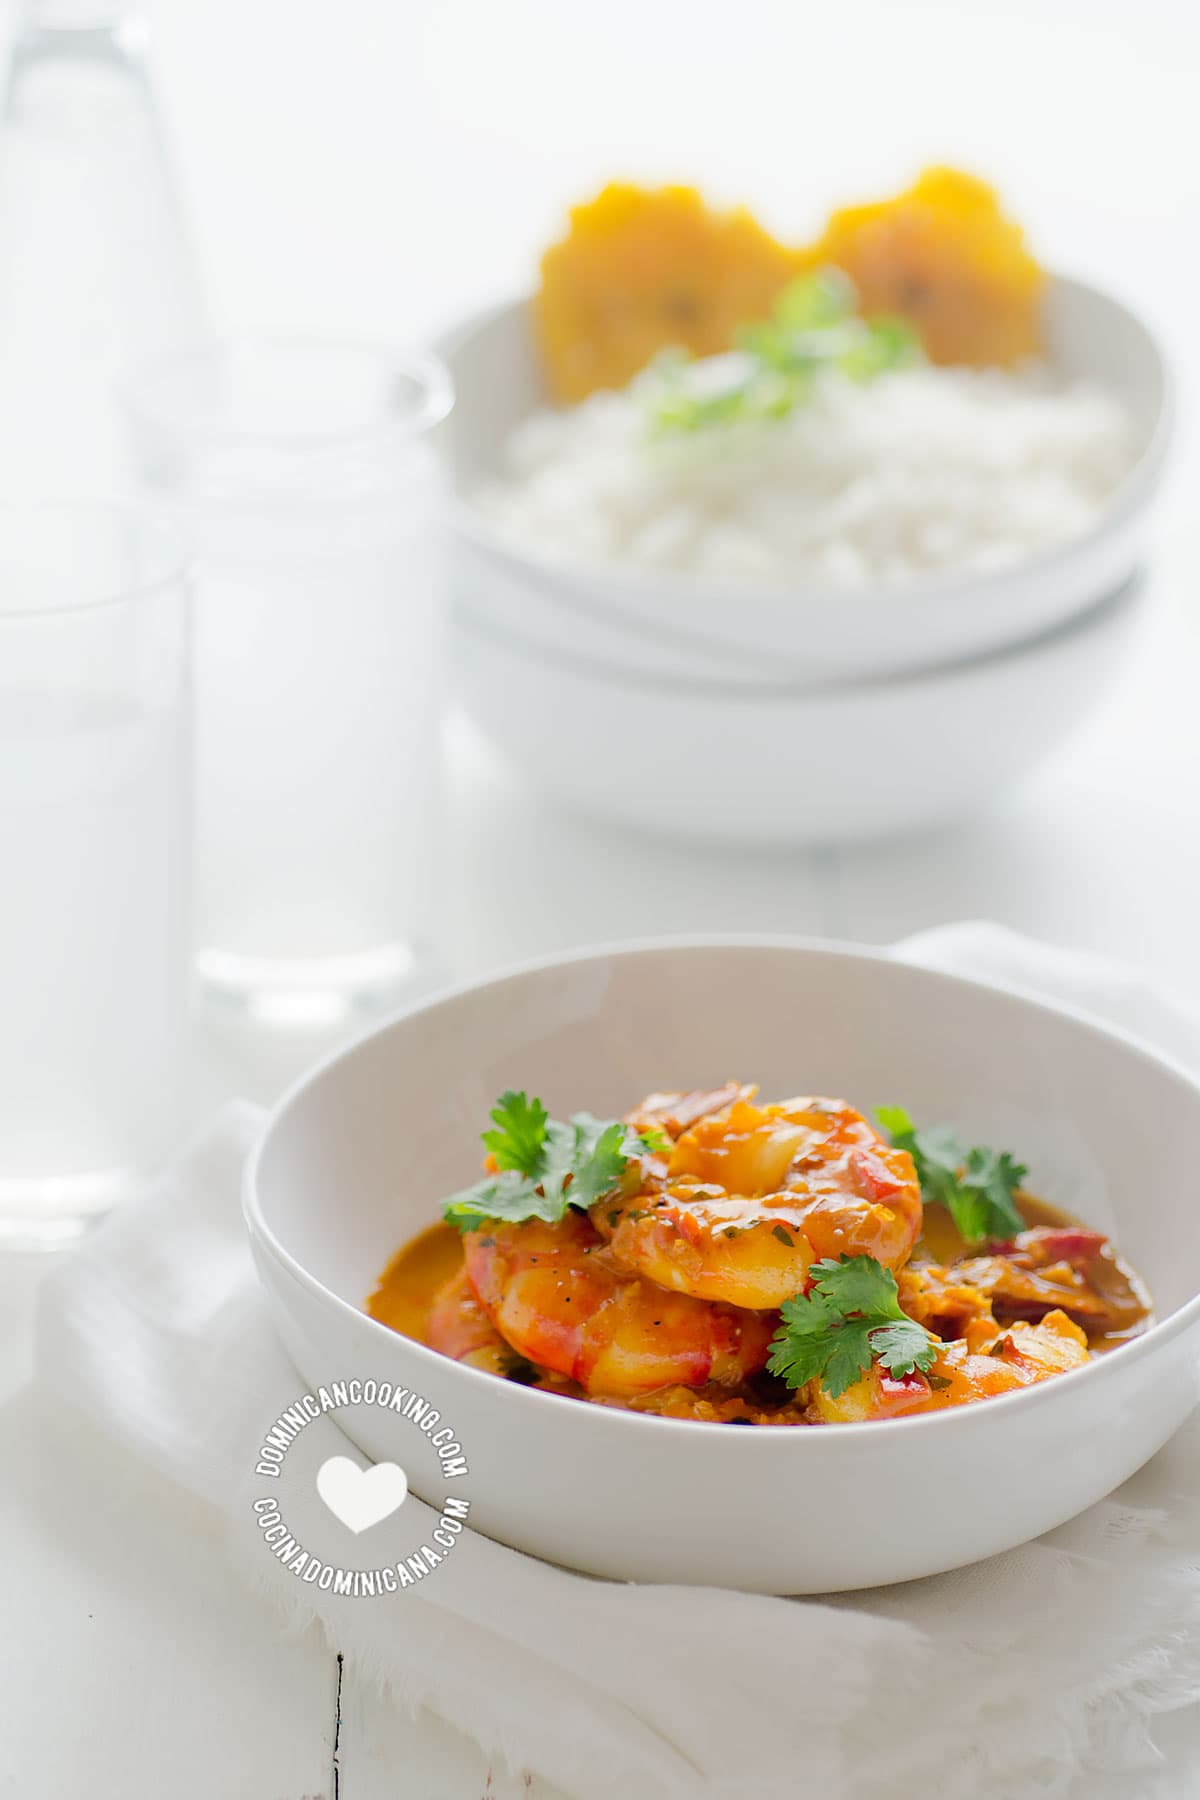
[358, 1497]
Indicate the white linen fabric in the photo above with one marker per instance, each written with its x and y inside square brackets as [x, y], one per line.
[1038, 1673]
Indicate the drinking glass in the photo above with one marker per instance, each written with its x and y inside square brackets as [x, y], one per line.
[94, 851]
[304, 475]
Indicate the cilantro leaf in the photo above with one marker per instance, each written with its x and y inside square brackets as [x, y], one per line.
[520, 1135]
[995, 1177]
[895, 1121]
[812, 302]
[855, 1284]
[654, 1140]
[547, 1165]
[812, 327]
[849, 1356]
[850, 1317]
[801, 1347]
[886, 344]
[903, 1347]
[507, 1195]
[588, 1156]
[977, 1186]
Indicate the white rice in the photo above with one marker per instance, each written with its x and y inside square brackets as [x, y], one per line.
[924, 469]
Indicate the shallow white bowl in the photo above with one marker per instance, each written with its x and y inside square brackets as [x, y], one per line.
[715, 762]
[358, 1156]
[674, 626]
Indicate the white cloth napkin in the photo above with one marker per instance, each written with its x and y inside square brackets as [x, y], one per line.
[1038, 1673]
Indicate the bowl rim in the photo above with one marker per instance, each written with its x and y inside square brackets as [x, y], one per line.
[1118, 609]
[962, 1418]
[1132, 492]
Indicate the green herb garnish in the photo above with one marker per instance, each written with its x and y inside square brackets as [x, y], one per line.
[812, 327]
[977, 1186]
[519, 1138]
[850, 1318]
[546, 1165]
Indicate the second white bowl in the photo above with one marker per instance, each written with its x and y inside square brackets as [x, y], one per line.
[712, 762]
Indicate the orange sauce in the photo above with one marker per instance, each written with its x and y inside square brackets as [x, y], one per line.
[409, 1284]
[940, 1242]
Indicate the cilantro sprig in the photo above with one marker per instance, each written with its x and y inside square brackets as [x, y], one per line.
[976, 1186]
[850, 1317]
[518, 1138]
[813, 326]
[545, 1165]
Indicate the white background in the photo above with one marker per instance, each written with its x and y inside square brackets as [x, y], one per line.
[372, 163]
[376, 166]
[381, 167]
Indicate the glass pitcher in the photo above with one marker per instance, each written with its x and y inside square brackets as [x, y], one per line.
[96, 271]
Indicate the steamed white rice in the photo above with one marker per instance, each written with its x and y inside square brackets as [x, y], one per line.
[925, 469]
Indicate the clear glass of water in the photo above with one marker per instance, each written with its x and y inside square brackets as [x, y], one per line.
[306, 478]
[95, 827]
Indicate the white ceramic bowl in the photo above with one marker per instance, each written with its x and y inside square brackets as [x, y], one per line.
[713, 761]
[358, 1156]
[677, 627]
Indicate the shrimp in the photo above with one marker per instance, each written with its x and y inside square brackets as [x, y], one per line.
[749, 1196]
[986, 1362]
[458, 1327]
[557, 1295]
